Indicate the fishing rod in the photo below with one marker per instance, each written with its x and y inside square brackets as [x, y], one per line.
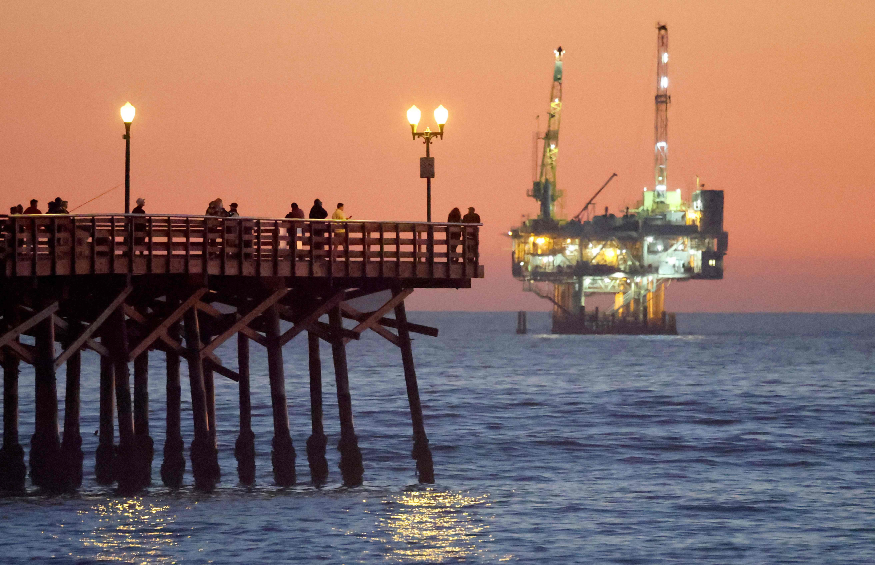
[98, 196]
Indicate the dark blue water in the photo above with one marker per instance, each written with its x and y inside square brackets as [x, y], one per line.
[749, 439]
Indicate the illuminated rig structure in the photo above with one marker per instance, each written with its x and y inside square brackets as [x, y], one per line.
[634, 255]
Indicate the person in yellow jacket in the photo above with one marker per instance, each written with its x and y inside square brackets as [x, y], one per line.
[339, 232]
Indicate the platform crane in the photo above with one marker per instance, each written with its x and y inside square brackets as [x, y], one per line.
[544, 189]
[662, 102]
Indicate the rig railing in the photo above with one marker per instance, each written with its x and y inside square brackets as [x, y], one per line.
[48, 245]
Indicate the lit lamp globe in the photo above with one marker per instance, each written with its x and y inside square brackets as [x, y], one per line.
[440, 116]
[413, 115]
[128, 112]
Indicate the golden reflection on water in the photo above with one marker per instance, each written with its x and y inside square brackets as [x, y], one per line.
[432, 526]
[132, 531]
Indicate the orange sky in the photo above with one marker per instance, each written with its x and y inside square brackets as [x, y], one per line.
[264, 103]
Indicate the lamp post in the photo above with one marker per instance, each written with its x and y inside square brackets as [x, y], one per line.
[426, 164]
[128, 112]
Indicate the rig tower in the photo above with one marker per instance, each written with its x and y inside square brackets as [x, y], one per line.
[662, 101]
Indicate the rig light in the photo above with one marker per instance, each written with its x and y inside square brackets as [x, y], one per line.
[664, 82]
[665, 57]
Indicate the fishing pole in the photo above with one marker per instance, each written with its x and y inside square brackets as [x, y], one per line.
[98, 196]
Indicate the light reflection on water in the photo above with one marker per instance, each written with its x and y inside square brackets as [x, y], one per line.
[131, 530]
[432, 526]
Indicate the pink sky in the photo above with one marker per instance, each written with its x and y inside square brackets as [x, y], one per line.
[264, 103]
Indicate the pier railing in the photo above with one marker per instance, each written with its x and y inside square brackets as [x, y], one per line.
[154, 244]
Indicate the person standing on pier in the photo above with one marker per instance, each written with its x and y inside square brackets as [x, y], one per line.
[32, 209]
[471, 217]
[317, 212]
[454, 217]
[232, 213]
[138, 209]
[340, 232]
[296, 213]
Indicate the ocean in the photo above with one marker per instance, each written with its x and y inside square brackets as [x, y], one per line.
[750, 438]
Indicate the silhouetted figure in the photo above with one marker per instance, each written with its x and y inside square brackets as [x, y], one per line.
[471, 217]
[32, 209]
[296, 213]
[232, 213]
[139, 207]
[317, 212]
[454, 217]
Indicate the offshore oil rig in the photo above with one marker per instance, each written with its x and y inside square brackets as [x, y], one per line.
[633, 255]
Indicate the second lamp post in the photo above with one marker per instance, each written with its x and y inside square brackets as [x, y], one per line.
[128, 112]
[426, 164]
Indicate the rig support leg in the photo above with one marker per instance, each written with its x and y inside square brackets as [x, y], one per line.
[244, 448]
[317, 441]
[204, 457]
[283, 456]
[47, 470]
[125, 464]
[351, 467]
[421, 452]
[145, 445]
[13, 471]
[103, 460]
[173, 467]
[71, 444]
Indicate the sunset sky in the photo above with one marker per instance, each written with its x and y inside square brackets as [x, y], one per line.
[265, 103]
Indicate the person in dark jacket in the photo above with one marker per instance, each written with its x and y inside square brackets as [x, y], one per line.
[297, 213]
[138, 209]
[32, 209]
[317, 212]
[471, 217]
[454, 217]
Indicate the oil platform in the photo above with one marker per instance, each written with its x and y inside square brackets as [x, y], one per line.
[634, 254]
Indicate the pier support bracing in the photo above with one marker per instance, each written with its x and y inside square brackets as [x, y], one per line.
[421, 452]
[351, 467]
[244, 448]
[173, 466]
[283, 455]
[317, 441]
[204, 456]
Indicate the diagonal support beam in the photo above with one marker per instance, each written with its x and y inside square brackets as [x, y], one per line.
[353, 314]
[95, 325]
[213, 363]
[243, 321]
[254, 336]
[374, 316]
[31, 322]
[310, 318]
[23, 351]
[160, 331]
[90, 343]
[209, 310]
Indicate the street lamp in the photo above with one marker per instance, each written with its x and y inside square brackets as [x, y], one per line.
[128, 112]
[426, 164]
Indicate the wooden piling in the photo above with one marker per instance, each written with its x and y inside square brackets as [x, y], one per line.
[317, 441]
[421, 452]
[244, 448]
[173, 467]
[71, 445]
[125, 464]
[144, 442]
[13, 471]
[351, 467]
[46, 464]
[283, 454]
[103, 460]
[521, 322]
[204, 456]
[210, 394]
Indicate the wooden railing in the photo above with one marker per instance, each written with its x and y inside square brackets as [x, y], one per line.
[153, 244]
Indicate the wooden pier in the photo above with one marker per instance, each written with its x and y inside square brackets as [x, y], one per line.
[128, 285]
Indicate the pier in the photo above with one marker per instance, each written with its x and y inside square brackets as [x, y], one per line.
[127, 286]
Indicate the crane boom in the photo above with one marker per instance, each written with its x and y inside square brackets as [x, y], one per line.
[662, 102]
[544, 189]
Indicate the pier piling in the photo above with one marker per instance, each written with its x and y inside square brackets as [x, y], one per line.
[173, 466]
[13, 471]
[421, 452]
[125, 465]
[351, 467]
[204, 457]
[283, 454]
[317, 441]
[47, 470]
[103, 460]
[145, 446]
[244, 448]
[71, 444]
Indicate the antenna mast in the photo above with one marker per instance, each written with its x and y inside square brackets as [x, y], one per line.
[544, 189]
[662, 102]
